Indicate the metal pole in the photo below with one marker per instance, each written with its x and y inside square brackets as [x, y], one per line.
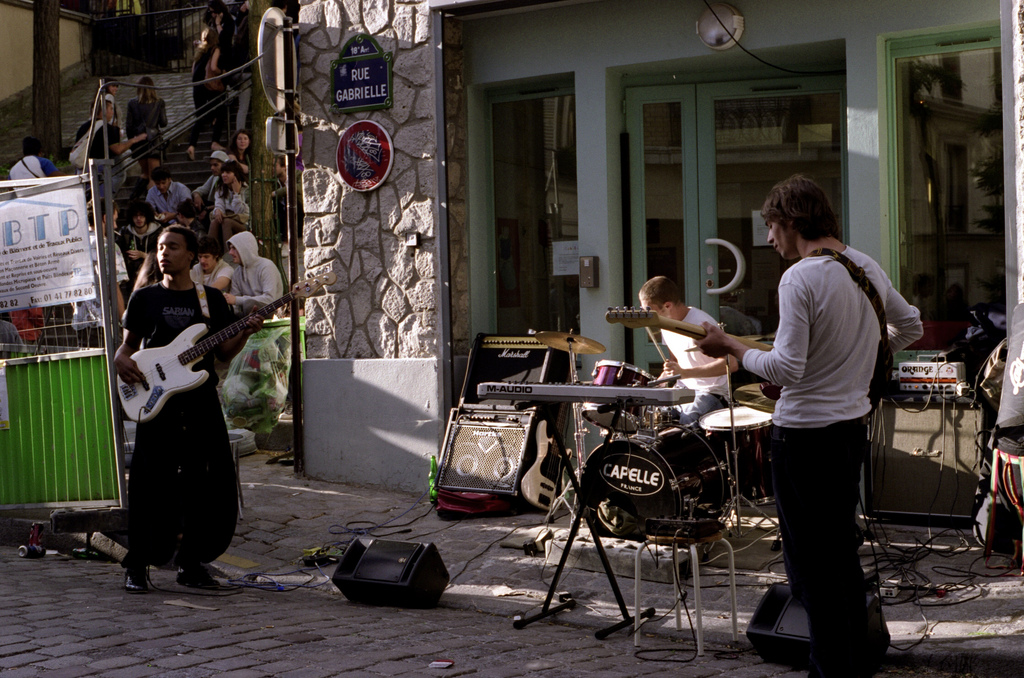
[295, 380]
[444, 320]
[103, 211]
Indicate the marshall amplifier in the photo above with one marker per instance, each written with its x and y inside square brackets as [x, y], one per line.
[512, 360]
[487, 451]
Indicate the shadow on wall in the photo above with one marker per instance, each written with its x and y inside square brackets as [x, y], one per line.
[372, 422]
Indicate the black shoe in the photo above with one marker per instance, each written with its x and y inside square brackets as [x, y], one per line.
[196, 577]
[135, 580]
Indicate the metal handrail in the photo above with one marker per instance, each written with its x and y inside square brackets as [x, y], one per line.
[158, 39]
[125, 161]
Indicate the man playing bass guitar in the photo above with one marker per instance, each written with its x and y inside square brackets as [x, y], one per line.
[182, 481]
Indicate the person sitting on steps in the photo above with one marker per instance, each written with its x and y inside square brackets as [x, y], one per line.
[231, 204]
[166, 195]
[211, 269]
[203, 197]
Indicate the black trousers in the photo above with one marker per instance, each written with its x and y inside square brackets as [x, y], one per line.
[816, 473]
[182, 493]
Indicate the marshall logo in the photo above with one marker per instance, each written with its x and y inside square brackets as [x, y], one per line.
[509, 353]
[509, 388]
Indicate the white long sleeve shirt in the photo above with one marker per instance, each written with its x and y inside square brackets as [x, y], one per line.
[825, 347]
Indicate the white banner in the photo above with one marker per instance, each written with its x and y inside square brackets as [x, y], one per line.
[44, 250]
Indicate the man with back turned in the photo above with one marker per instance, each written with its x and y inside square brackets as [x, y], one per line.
[824, 357]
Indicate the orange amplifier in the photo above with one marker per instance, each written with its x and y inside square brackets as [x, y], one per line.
[940, 377]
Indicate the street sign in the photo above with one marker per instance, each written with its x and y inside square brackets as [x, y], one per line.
[361, 76]
[365, 155]
[271, 46]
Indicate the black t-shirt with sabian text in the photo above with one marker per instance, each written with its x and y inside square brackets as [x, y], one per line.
[158, 315]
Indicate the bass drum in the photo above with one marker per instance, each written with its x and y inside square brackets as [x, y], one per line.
[628, 480]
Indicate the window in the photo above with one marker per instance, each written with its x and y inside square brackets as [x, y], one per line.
[535, 214]
[946, 165]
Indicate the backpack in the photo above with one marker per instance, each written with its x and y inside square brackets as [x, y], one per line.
[80, 151]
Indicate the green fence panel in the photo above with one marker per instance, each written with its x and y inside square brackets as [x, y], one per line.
[59, 450]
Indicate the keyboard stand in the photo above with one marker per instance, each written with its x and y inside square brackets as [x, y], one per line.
[583, 513]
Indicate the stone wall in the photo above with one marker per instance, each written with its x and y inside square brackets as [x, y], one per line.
[384, 304]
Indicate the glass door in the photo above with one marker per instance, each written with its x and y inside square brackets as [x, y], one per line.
[536, 222]
[708, 155]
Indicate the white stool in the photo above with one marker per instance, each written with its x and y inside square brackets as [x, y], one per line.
[675, 543]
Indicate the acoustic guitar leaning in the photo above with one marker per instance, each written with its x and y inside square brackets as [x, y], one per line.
[168, 369]
[634, 318]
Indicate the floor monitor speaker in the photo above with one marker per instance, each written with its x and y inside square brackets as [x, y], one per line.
[779, 630]
[394, 573]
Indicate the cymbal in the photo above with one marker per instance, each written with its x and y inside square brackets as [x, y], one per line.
[751, 396]
[566, 341]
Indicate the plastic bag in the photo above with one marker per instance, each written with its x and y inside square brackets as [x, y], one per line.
[254, 391]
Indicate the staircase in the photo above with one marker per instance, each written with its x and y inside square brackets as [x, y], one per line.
[181, 117]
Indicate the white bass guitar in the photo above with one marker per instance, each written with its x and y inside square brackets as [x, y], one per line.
[168, 369]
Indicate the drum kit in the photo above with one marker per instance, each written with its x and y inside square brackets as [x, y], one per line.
[648, 466]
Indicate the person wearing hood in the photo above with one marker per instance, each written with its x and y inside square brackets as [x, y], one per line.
[139, 237]
[256, 281]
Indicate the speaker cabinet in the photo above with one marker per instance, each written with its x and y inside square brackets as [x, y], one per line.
[780, 634]
[394, 573]
[486, 452]
[510, 359]
[926, 463]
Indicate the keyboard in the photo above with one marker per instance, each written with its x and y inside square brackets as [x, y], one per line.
[584, 393]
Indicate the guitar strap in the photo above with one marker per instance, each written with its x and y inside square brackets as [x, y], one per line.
[883, 361]
[201, 293]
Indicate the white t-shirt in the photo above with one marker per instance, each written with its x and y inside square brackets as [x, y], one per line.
[678, 344]
[825, 347]
[32, 167]
[221, 270]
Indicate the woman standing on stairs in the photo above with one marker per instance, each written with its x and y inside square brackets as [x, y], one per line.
[220, 19]
[205, 66]
[147, 112]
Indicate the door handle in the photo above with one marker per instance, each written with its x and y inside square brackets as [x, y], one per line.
[741, 266]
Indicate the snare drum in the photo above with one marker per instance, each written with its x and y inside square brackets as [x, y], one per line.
[615, 373]
[753, 428]
[657, 418]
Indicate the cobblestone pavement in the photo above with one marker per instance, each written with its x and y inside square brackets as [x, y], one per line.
[69, 617]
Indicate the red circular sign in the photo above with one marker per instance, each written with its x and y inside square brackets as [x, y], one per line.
[365, 155]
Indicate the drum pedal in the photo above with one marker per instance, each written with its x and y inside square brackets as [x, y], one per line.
[681, 528]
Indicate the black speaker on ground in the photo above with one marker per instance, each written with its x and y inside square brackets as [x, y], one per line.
[779, 630]
[394, 573]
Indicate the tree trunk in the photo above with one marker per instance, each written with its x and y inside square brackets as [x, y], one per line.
[46, 76]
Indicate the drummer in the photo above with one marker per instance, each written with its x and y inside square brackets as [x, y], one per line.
[701, 373]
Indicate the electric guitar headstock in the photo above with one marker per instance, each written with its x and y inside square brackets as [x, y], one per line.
[633, 318]
[313, 284]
